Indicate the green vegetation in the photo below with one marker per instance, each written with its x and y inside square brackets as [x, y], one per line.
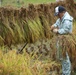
[24, 2]
[19, 3]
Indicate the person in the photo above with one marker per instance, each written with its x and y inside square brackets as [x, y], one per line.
[63, 26]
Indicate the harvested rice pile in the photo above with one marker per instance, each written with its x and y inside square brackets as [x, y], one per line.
[29, 24]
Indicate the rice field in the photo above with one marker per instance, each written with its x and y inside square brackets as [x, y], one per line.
[32, 25]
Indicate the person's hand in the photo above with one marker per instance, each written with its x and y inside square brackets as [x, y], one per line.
[52, 27]
[55, 30]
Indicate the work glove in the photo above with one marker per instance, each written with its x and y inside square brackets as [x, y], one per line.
[55, 30]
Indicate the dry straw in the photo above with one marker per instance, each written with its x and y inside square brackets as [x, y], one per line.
[67, 43]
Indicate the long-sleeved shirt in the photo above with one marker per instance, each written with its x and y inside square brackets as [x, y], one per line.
[64, 25]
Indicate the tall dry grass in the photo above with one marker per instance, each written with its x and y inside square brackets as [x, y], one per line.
[13, 64]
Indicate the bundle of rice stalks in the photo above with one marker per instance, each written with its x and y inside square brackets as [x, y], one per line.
[23, 13]
[45, 10]
[67, 43]
[47, 68]
[29, 24]
[36, 30]
[33, 32]
[25, 29]
[45, 25]
[31, 11]
[5, 28]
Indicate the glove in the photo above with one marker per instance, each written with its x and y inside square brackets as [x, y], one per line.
[55, 30]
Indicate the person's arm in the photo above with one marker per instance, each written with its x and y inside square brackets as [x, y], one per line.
[67, 28]
[55, 25]
[52, 27]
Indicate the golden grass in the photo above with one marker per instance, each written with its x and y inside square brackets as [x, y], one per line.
[13, 64]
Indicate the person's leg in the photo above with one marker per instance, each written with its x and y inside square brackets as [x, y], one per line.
[66, 66]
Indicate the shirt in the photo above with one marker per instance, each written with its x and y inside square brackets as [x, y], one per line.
[64, 25]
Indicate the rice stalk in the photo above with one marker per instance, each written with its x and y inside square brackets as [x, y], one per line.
[18, 30]
[33, 31]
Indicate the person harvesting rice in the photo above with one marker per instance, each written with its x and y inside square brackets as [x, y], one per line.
[63, 26]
